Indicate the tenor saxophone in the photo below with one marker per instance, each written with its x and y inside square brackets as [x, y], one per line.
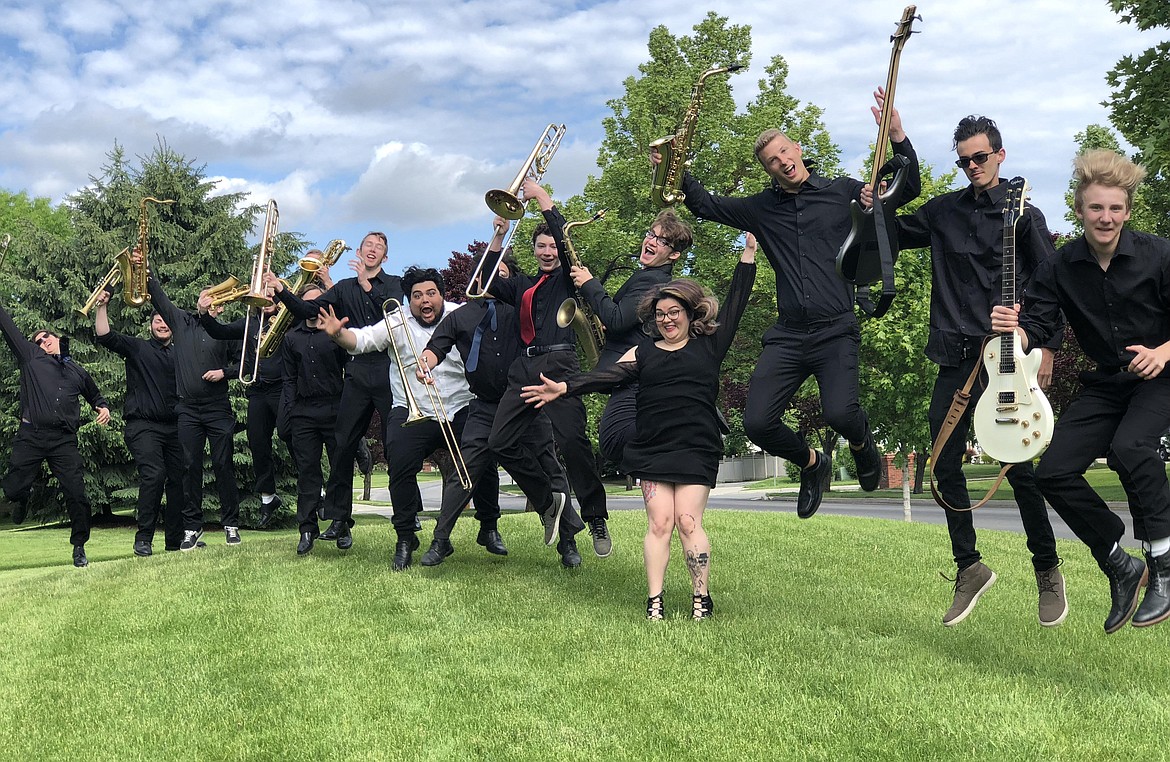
[576, 312]
[283, 319]
[134, 274]
[666, 189]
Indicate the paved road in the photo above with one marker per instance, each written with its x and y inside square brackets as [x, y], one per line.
[733, 497]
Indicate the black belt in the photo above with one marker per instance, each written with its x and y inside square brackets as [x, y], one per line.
[812, 325]
[544, 350]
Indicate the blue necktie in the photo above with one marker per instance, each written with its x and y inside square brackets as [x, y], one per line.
[471, 362]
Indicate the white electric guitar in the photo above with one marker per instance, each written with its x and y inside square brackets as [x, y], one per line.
[1013, 419]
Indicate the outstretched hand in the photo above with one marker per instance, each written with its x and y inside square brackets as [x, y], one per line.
[328, 321]
[543, 393]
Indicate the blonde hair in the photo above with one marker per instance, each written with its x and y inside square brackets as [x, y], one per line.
[1108, 168]
[701, 307]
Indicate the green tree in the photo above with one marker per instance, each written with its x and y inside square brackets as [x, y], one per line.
[653, 105]
[1140, 106]
[198, 240]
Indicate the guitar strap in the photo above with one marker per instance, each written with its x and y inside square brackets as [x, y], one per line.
[887, 249]
[959, 406]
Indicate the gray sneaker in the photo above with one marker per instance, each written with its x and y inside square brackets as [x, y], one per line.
[970, 583]
[551, 518]
[232, 535]
[602, 545]
[1053, 604]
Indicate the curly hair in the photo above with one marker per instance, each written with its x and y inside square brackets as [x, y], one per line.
[701, 307]
[415, 275]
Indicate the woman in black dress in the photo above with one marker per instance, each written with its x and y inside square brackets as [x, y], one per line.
[676, 449]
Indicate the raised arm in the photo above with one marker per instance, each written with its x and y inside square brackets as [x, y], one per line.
[737, 298]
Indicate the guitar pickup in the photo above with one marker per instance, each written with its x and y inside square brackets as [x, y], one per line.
[1007, 408]
[1011, 421]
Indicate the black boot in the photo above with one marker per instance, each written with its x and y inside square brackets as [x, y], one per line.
[439, 550]
[1156, 605]
[1127, 576]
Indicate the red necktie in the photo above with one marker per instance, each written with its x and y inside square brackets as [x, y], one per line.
[527, 329]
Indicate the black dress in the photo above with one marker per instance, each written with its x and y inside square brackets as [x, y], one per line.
[677, 437]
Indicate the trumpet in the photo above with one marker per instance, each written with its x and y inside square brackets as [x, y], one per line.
[257, 298]
[414, 414]
[507, 203]
[280, 323]
[227, 291]
[108, 283]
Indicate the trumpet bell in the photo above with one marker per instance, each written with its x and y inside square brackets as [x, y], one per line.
[505, 203]
[309, 264]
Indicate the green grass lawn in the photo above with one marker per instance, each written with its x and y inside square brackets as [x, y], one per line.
[826, 645]
[979, 479]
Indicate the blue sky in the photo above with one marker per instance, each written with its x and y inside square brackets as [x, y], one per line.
[398, 116]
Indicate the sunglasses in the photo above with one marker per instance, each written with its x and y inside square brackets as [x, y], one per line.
[979, 158]
[42, 339]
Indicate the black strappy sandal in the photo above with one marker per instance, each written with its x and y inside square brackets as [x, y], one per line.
[654, 608]
[703, 607]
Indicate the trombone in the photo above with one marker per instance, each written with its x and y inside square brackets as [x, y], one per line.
[257, 298]
[507, 203]
[414, 414]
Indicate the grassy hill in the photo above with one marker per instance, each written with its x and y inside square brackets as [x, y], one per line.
[826, 644]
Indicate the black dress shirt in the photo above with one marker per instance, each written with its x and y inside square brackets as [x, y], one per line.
[619, 314]
[800, 233]
[50, 385]
[271, 372]
[150, 377]
[964, 231]
[556, 288]
[312, 364]
[1109, 310]
[497, 349]
[348, 299]
[195, 351]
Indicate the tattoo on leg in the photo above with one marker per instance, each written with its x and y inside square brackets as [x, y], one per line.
[697, 564]
[649, 489]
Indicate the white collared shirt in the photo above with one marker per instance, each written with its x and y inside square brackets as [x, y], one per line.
[450, 379]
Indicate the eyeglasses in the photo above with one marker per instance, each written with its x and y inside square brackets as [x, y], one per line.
[979, 158]
[673, 313]
[664, 241]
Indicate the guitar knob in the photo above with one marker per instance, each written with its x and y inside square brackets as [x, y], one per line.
[1035, 435]
[1035, 416]
[1027, 441]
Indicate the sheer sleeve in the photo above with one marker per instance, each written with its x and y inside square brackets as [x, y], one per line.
[603, 379]
[734, 306]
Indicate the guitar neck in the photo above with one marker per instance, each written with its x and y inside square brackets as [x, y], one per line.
[883, 137]
[1007, 359]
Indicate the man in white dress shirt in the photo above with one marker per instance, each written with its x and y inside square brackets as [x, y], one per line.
[408, 445]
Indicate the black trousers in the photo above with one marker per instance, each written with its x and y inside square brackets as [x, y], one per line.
[159, 460]
[618, 423]
[263, 410]
[826, 350]
[481, 467]
[948, 474]
[366, 389]
[1123, 417]
[406, 448]
[58, 448]
[209, 421]
[567, 414]
[311, 427]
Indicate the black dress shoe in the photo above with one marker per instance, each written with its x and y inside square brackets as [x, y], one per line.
[268, 510]
[869, 464]
[490, 539]
[1127, 576]
[813, 483]
[436, 554]
[19, 512]
[403, 550]
[142, 548]
[1156, 605]
[570, 558]
[79, 559]
[333, 530]
[344, 537]
[306, 543]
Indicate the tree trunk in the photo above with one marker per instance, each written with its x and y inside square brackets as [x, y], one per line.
[919, 474]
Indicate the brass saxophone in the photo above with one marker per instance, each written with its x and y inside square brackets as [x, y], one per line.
[283, 319]
[134, 275]
[575, 311]
[668, 174]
